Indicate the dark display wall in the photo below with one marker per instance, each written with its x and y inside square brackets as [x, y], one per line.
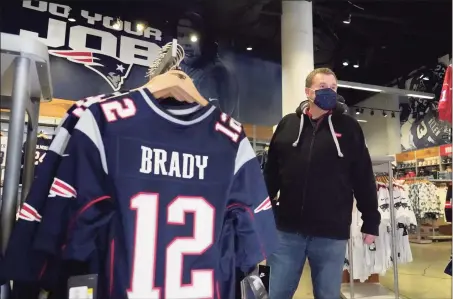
[90, 56]
[420, 124]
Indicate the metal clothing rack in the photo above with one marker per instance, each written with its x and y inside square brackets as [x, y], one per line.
[376, 290]
[25, 82]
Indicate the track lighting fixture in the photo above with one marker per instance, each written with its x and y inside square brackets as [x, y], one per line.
[140, 27]
[71, 17]
[118, 24]
[348, 20]
[385, 113]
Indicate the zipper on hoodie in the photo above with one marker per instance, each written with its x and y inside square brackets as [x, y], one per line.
[307, 172]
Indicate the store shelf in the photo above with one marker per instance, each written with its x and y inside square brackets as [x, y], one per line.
[439, 238]
[367, 290]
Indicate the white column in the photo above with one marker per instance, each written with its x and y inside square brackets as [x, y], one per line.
[297, 52]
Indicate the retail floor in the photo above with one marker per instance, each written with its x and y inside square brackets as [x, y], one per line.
[424, 278]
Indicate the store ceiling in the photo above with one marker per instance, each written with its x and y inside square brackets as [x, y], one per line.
[388, 39]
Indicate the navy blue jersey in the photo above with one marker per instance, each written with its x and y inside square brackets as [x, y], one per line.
[42, 145]
[170, 184]
[21, 263]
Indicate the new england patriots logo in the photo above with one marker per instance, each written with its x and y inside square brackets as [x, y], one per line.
[113, 70]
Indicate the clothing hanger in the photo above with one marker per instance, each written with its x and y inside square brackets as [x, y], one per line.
[167, 80]
[175, 84]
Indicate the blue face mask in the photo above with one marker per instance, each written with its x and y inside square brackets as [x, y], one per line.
[325, 98]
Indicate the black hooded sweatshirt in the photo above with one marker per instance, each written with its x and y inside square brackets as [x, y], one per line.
[319, 166]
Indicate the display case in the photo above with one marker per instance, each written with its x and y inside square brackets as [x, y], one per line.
[434, 163]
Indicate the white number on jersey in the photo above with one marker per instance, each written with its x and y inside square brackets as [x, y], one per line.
[234, 130]
[443, 95]
[123, 108]
[143, 277]
[39, 157]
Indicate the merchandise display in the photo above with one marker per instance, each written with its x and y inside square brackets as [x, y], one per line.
[425, 199]
[153, 127]
[377, 258]
[188, 190]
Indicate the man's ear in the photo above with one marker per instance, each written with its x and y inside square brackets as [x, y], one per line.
[307, 92]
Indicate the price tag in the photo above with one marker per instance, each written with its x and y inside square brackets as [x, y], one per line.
[83, 287]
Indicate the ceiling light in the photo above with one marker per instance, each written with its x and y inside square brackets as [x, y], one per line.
[419, 96]
[140, 27]
[356, 65]
[348, 20]
[71, 20]
[117, 25]
[426, 78]
[362, 121]
[384, 113]
[345, 62]
[357, 111]
[249, 48]
[359, 88]
[372, 112]
[194, 38]
[393, 114]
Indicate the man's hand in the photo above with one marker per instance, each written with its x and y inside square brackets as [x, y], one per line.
[368, 239]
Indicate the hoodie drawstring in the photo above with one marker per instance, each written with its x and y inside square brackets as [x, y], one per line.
[301, 126]
[332, 131]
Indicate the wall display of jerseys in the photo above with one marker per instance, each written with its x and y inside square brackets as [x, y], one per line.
[377, 258]
[427, 200]
[421, 126]
[166, 201]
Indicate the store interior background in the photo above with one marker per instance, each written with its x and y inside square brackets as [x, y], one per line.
[379, 43]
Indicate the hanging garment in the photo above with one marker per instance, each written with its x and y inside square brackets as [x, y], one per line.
[424, 200]
[22, 264]
[166, 191]
[448, 199]
[445, 102]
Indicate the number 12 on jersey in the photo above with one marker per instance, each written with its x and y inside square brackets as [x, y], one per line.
[143, 275]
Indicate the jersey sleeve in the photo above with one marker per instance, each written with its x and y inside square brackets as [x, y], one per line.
[78, 194]
[249, 202]
[21, 263]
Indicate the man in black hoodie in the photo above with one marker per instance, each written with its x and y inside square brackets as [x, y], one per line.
[318, 161]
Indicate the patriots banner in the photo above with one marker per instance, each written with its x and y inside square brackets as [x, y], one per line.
[94, 52]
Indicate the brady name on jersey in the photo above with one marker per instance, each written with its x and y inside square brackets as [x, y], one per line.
[175, 164]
